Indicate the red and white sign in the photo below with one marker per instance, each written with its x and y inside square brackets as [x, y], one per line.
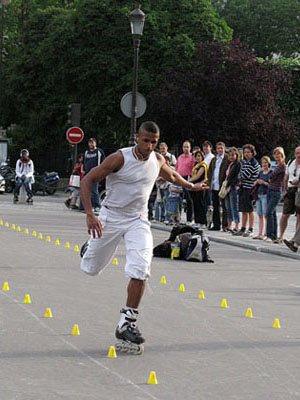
[75, 135]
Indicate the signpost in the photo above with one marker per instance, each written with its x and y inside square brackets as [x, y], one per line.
[74, 136]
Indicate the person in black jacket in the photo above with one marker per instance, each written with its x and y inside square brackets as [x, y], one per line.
[231, 200]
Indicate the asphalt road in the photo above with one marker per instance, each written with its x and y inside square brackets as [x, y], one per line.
[197, 349]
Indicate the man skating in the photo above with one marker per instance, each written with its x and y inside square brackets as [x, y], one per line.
[24, 176]
[130, 175]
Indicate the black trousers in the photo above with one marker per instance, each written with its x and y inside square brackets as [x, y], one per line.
[200, 207]
[217, 203]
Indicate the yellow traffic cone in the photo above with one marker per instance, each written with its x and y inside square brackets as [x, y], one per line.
[112, 352]
[276, 323]
[26, 231]
[76, 249]
[13, 226]
[27, 299]
[163, 280]
[67, 245]
[249, 313]
[6, 224]
[34, 233]
[1, 222]
[75, 330]
[40, 236]
[115, 261]
[181, 288]
[48, 239]
[224, 303]
[57, 242]
[5, 287]
[18, 229]
[201, 295]
[48, 313]
[152, 378]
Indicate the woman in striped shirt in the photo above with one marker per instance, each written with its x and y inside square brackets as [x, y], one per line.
[247, 176]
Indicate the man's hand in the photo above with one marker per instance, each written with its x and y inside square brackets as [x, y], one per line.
[295, 182]
[94, 226]
[23, 177]
[200, 186]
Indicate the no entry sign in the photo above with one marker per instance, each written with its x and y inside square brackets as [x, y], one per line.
[75, 135]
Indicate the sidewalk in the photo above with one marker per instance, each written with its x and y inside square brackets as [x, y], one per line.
[249, 243]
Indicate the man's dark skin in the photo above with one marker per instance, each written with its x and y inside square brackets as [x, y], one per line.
[146, 143]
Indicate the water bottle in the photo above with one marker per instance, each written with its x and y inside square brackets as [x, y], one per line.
[175, 248]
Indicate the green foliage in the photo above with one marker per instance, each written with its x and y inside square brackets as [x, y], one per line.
[59, 52]
[268, 26]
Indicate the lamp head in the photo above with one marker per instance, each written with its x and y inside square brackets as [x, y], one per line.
[137, 19]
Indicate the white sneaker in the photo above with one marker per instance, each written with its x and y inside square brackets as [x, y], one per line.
[248, 234]
[96, 209]
[202, 226]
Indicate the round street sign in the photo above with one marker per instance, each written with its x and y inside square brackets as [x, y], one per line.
[75, 135]
[141, 104]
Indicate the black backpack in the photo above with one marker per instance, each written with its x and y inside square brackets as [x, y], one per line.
[194, 244]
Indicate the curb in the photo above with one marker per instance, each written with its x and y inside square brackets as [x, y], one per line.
[248, 246]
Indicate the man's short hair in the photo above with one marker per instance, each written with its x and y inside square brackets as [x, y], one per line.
[186, 141]
[251, 148]
[92, 139]
[221, 144]
[163, 144]
[148, 126]
[207, 143]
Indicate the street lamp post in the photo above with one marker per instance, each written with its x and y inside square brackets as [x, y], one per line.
[2, 4]
[137, 19]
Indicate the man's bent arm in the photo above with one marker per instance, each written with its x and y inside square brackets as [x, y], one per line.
[172, 176]
[112, 163]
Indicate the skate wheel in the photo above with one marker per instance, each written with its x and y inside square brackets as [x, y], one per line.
[140, 349]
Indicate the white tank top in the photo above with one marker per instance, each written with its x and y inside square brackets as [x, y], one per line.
[128, 190]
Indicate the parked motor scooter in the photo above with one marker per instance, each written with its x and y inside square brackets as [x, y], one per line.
[46, 182]
[2, 184]
[9, 174]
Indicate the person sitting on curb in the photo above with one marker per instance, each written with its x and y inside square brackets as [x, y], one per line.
[24, 172]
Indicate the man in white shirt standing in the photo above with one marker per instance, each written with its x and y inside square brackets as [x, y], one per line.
[207, 150]
[216, 176]
[24, 172]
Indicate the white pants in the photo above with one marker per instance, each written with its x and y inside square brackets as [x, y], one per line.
[138, 241]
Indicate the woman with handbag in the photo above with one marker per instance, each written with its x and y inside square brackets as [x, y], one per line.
[274, 194]
[262, 184]
[77, 175]
[231, 199]
[199, 174]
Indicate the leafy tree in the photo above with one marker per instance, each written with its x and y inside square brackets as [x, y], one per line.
[81, 51]
[228, 96]
[268, 26]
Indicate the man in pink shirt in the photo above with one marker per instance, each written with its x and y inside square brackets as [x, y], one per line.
[184, 167]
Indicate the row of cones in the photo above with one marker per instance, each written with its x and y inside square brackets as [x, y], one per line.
[224, 304]
[40, 235]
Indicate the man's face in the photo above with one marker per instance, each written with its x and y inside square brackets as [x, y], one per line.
[248, 154]
[297, 154]
[163, 149]
[92, 145]
[186, 148]
[147, 142]
[220, 150]
[206, 148]
[24, 155]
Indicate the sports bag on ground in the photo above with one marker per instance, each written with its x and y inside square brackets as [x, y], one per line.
[194, 244]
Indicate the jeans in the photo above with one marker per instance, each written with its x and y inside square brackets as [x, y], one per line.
[94, 197]
[273, 198]
[26, 183]
[161, 207]
[261, 204]
[174, 203]
[232, 206]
